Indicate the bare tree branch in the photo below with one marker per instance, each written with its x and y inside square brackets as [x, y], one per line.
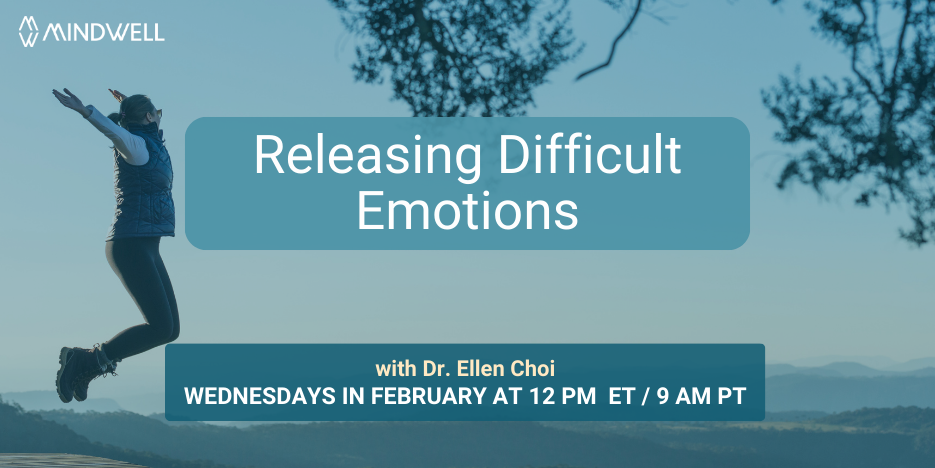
[613, 47]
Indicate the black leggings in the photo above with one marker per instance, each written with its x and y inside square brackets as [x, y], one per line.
[137, 263]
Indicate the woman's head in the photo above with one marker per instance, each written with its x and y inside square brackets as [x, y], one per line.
[136, 109]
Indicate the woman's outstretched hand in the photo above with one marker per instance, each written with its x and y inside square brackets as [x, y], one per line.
[117, 95]
[72, 102]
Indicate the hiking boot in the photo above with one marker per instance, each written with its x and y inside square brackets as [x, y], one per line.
[79, 365]
[84, 380]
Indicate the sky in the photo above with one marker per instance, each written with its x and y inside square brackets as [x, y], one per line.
[816, 277]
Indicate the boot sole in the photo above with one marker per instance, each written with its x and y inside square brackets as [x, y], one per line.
[80, 399]
[62, 360]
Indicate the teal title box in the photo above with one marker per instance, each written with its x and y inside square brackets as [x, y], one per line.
[465, 382]
[467, 183]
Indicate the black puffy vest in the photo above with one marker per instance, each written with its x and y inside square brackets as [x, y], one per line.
[144, 193]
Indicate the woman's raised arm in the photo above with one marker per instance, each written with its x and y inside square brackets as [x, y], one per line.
[72, 102]
[131, 147]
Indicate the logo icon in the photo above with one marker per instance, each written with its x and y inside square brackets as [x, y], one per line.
[32, 31]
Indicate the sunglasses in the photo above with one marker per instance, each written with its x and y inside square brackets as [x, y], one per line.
[159, 113]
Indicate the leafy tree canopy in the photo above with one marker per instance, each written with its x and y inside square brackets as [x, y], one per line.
[452, 58]
[875, 128]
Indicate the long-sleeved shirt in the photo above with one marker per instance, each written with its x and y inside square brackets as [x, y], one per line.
[130, 146]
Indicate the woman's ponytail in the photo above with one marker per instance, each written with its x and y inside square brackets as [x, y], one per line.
[115, 117]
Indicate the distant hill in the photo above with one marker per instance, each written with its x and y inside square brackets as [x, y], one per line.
[876, 362]
[147, 403]
[919, 422]
[794, 416]
[397, 445]
[912, 364]
[24, 432]
[807, 444]
[804, 392]
[900, 419]
[846, 369]
[161, 417]
[48, 400]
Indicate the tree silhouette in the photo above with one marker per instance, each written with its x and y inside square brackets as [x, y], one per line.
[451, 58]
[875, 129]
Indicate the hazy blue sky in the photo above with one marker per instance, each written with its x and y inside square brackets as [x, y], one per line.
[813, 279]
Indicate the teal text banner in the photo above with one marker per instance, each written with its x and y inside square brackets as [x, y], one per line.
[465, 382]
[467, 183]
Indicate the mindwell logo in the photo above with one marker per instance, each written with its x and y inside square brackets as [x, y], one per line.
[88, 32]
[32, 31]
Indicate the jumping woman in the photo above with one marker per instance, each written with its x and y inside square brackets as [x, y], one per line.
[145, 213]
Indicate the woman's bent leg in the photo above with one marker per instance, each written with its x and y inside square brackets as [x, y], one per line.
[137, 263]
